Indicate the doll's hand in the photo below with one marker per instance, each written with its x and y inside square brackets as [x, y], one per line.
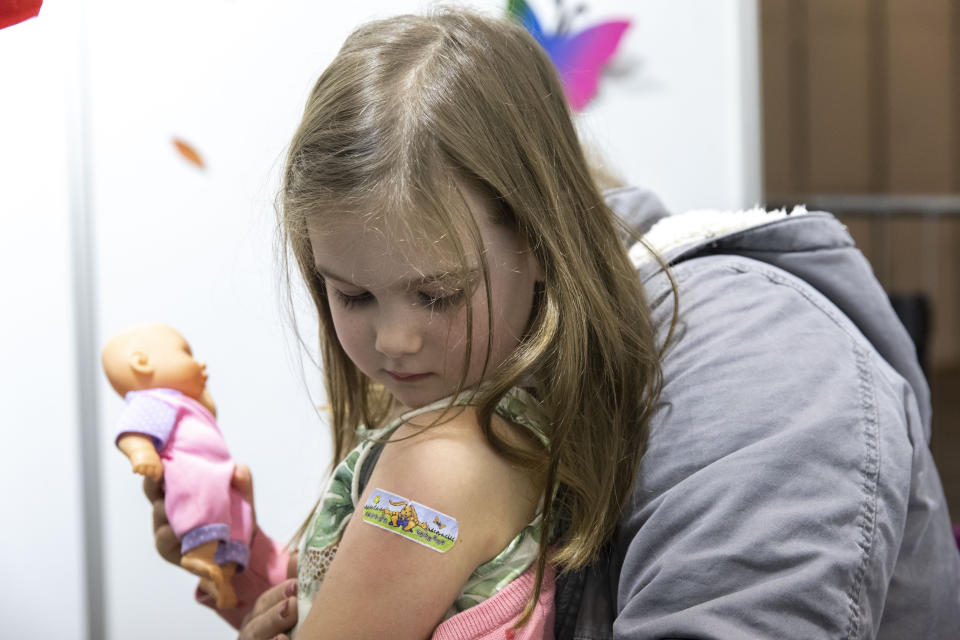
[147, 463]
[142, 454]
[274, 613]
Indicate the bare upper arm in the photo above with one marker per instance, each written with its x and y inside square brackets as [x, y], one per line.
[382, 583]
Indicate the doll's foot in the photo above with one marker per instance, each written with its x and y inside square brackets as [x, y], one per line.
[225, 595]
[199, 561]
[226, 599]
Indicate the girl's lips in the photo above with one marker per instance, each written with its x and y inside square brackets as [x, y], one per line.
[408, 377]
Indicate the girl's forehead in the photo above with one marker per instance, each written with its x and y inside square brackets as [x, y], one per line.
[370, 252]
[453, 209]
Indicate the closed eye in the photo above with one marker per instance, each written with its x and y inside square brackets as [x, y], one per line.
[352, 300]
[442, 303]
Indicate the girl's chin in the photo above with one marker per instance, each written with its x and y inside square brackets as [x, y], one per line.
[414, 398]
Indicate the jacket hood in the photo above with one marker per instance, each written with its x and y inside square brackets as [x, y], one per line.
[813, 246]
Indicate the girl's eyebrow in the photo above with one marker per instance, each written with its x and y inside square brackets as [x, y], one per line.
[463, 276]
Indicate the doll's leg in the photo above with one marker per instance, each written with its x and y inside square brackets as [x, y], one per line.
[233, 554]
[207, 561]
[214, 578]
[225, 595]
[200, 561]
[222, 592]
[237, 548]
[198, 502]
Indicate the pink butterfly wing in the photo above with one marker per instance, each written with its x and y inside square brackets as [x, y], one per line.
[581, 58]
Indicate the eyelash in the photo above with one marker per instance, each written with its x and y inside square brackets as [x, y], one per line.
[443, 303]
[434, 303]
[349, 301]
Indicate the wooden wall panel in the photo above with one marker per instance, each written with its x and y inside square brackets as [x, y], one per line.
[838, 77]
[871, 105]
[918, 255]
[920, 94]
[946, 296]
[904, 253]
[776, 39]
[954, 81]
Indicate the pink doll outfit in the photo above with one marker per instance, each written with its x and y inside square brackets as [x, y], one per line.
[201, 504]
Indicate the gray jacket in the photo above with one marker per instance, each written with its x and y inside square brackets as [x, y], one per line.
[788, 489]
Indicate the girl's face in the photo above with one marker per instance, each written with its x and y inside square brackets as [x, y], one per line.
[400, 308]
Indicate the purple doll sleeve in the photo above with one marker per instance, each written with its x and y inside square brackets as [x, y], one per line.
[148, 415]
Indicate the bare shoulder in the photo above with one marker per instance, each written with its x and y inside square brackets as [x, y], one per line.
[444, 461]
[447, 471]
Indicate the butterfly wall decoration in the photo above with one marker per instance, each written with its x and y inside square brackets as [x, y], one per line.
[579, 56]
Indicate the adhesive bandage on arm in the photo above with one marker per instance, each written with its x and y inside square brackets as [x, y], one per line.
[411, 520]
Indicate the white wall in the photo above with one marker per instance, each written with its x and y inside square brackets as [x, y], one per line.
[193, 248]
[685, 120]
[41, 540]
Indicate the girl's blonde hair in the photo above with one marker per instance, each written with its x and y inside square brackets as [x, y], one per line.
[411, 109]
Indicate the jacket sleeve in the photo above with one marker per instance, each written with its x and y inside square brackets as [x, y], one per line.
[773, 496]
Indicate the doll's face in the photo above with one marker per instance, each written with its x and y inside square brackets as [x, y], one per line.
[153, 356]
[172, 361]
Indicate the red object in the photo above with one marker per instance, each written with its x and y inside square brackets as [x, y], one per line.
[14, 11]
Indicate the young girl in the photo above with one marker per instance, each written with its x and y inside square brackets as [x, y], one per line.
[486, 335]
[477, 312]
[482, 329]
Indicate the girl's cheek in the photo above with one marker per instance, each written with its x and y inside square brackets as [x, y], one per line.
[479, 337]
[349, 334]
[455, 328]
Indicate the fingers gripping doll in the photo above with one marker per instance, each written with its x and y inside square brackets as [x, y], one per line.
[169, 430]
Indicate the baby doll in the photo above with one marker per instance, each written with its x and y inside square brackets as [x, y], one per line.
[169, 430]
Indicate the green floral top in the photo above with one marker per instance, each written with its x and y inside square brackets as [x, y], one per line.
[342, 494]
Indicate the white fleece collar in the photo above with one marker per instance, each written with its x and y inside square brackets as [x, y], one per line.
[678, 230]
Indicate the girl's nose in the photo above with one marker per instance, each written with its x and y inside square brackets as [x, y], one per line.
[396, 339]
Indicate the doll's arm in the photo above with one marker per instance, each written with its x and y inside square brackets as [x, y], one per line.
[144, 427]
[142, 454]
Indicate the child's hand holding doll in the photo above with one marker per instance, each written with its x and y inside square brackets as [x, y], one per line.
[169, 431]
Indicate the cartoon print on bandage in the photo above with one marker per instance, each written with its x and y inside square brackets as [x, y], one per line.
[411, 520]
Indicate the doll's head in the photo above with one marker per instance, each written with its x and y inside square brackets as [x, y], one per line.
[152, 356]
